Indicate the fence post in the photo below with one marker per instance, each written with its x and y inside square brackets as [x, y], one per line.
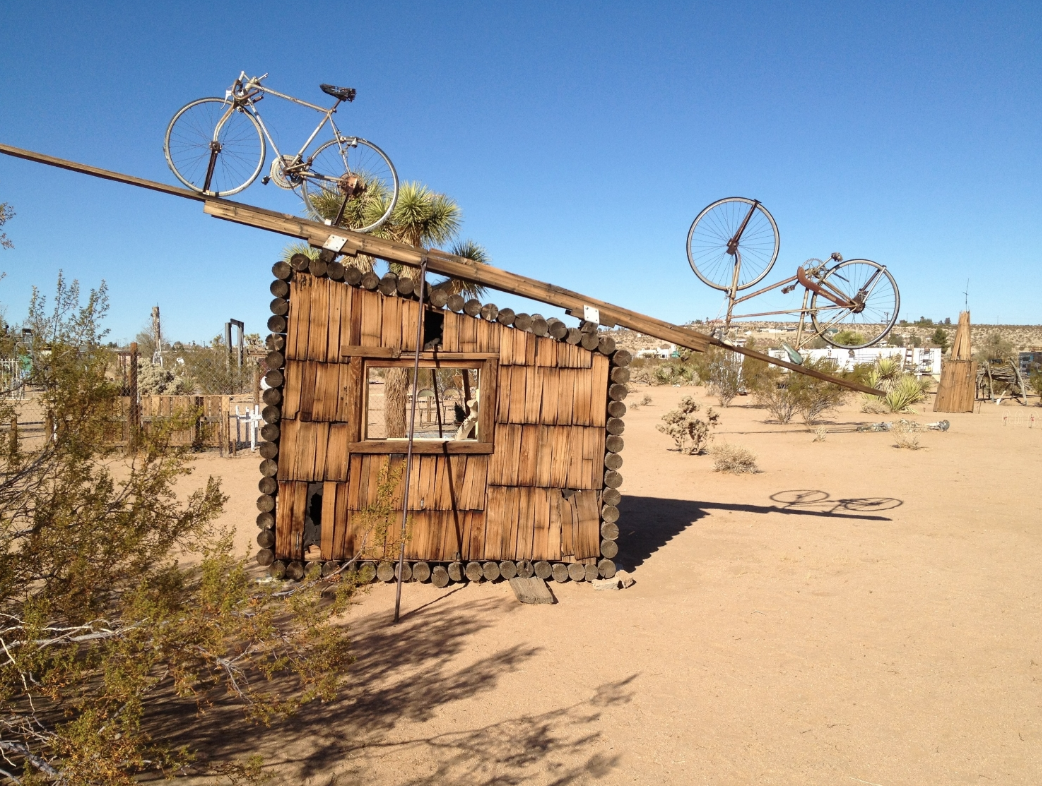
[134, 415]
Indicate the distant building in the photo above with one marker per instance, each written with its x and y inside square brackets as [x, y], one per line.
[1029, 361]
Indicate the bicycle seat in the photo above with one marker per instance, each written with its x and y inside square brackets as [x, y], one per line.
[343, 93]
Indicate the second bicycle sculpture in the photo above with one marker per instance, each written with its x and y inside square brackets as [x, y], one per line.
[852, 304]
[215, 146]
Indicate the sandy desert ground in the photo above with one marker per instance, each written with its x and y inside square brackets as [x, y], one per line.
[854, 614]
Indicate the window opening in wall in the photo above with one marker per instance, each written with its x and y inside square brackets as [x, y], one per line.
[433, 329]
[447, 403]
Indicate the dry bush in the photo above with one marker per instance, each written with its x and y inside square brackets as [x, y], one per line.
[906, 435]
[820, 433]
[724, 374]
[644, 401]
[734, 459]
[787, 395]
[683, 427]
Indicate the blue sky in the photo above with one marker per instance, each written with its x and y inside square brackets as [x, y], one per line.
[580, 140]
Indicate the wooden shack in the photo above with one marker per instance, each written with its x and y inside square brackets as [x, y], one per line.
[518, 475]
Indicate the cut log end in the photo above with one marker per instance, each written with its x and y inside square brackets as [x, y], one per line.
[282, 271]
[622, 357]
[615, 427]
[611, 497]
[268, 485]
[440, 577]
[609, 549]
[525, 569]
[265, 556]
[490, 570]
[455, 570]
[577, 571]
[295, 570]
[507, 569]
[606, 568]
[421, 571]
[614, 443]
[277, 324]
[620, 375]
[265, 503]
[560, 572]
[543, 569]
[385, 571]
[266, 520]
[506, 317]
[474, 571]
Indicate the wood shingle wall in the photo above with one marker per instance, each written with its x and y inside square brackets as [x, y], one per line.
[537, 488]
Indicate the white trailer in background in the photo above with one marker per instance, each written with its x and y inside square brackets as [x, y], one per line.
[921, 361]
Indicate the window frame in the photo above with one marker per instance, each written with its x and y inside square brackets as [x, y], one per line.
[487, 366]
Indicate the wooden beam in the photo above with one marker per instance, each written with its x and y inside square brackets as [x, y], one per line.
[437, 261]
[105, 174]
[458, 267]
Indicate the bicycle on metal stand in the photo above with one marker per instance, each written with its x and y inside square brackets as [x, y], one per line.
[733, 244]
[216, 147]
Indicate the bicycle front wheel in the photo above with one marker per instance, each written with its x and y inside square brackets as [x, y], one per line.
[712, 254]
[356, 170]
[872, 290]
[210, 160]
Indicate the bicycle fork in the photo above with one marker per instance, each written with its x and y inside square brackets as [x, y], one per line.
[215, 148]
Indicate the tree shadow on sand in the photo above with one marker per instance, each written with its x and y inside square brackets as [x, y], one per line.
[404, 675]
[649, 523]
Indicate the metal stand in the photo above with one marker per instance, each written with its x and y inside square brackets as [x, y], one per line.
[408, 455]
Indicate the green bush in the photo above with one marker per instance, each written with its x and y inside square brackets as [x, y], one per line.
[683, 427]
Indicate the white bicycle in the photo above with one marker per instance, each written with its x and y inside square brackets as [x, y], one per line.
[215, 146]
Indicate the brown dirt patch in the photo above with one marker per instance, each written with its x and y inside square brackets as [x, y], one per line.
[855, 613]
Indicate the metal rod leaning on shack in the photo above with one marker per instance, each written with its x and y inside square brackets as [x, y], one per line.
[412, 436]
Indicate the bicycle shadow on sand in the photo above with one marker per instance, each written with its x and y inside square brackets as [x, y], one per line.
[647, 524]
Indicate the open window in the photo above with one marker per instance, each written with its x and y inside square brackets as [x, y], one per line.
[455, 405]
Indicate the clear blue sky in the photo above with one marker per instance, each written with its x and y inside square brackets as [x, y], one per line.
[579, 139]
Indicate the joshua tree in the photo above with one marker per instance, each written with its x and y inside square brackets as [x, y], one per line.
[422, 218]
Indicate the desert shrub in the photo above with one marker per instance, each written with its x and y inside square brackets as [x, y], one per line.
[158, 380]
[994, 347]
[901, 390]
[643, 402]
[820, 433]
[655, 371]
[724, 374]
[102, 623]
[683, 427]
[849, 337]
[787, 395]
[906, 435]
[734, 459]
[900, 395]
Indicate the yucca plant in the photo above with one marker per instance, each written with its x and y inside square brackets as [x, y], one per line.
[907, 391]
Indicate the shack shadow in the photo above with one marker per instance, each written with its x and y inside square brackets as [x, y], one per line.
[647, 524]
[402, 674]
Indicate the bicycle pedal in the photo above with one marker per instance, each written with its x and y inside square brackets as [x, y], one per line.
[265, 180]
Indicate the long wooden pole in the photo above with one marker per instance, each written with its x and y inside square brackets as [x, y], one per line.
[439, 261]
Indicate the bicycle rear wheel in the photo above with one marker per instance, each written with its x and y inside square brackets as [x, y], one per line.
[232, 164]
[877, 301]
[354, 169]
[712, 231]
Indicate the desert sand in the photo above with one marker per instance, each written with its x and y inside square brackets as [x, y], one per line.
[853, 614]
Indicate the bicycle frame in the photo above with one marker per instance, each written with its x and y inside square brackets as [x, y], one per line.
[246, 101]
[803, 277]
